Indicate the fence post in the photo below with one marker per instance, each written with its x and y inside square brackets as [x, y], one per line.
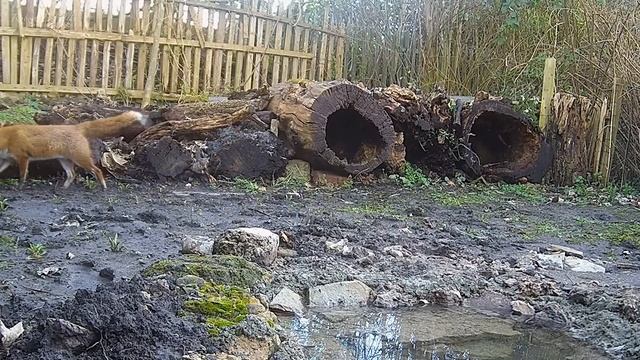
[155, 48]
[548, 91]
[610, 143]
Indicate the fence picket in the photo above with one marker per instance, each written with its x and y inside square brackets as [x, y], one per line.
[89, 46]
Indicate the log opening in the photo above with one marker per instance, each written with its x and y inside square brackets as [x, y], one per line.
[499, 138]
[352, 137]
[334, 125]
[505, 143]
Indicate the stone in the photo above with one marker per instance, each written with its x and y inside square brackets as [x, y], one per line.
[107, 273]
[396, 251]
[255, 307]
[70, 256]
[298, 171]
[581, 265]
[74, 337]
[510, 282]
[522, 308]
[190, 281]
[328, 179]
[287, 253]
[341, 294]
[552, 261]
[288, 302]
[389, 299]
[567, 250]
[253, 339]
[253, 244]
[10, 335]
[198, 245]
[336, 245]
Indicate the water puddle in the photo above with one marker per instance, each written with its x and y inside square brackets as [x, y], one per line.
[426, 333]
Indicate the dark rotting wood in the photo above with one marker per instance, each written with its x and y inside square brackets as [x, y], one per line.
[501, 142]
[425, 121]
[333, 125]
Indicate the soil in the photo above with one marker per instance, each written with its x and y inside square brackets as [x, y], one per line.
[480, 254]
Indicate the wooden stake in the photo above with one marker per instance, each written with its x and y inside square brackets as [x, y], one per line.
[616, 108]
[153, 60]
[548, 90]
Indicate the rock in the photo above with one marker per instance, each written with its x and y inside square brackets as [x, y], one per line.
[74, 337]
[396, 251]
[253, 244]
[298, 171]
[324, 178]
[522, 308]
[107, 273]
[190, 281]
[254, 339]
[50, 271]
[445, 297]
[567, 250]
[552, 261]
[255, 307]
[287, 301]
[346, 294]
[70, 256]
[199, 245]
[10, 335]
[581, 265]
[388, 299]
[510, 282]
[336, 245]
[287, 253]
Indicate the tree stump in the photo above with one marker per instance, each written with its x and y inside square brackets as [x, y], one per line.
[166, 157]
[245, 153]
[333, 125]
[500, 142]
[568, 132]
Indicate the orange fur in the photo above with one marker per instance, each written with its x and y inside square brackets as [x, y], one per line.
[69, 144]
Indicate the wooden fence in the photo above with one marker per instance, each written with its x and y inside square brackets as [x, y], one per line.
[170, 48]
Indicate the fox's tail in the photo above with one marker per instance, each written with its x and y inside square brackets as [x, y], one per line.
[128, 125]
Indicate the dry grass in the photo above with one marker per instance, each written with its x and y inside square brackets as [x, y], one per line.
[500, 46]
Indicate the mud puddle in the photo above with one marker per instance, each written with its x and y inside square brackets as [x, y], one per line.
[427, 333]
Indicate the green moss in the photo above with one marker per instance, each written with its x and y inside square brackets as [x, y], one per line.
[8, 242]
[21, 113]
[221, 306]
[528, 192]
[623, 234]
[455, 199]
[222, 269]
[541, 229]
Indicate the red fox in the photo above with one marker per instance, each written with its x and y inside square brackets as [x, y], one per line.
[67, 143]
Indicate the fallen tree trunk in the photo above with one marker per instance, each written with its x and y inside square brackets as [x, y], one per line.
[500, 142]
[196, 122]
[333, 125]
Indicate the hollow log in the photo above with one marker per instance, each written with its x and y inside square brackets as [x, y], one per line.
[500, 142]
[568, 132]
[333, 125]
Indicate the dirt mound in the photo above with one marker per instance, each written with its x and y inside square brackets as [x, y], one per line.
[126, 320]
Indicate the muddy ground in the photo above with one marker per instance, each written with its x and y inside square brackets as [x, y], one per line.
[472, 247]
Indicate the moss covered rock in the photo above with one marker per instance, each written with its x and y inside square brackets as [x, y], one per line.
[222, 269]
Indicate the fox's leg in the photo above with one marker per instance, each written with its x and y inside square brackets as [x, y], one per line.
[68, 166]
[23, 165]
[4, 164]
[90, 166]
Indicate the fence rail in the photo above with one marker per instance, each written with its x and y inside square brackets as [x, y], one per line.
[169, 47]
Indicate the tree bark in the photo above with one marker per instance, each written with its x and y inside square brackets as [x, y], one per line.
[568, 133]
[333, 125]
